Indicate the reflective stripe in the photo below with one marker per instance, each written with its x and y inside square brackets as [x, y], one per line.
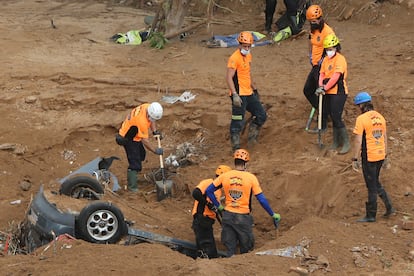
[237, 117]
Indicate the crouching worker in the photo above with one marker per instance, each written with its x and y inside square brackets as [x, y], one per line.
[238, 186]
[134, 137]
[204, 216]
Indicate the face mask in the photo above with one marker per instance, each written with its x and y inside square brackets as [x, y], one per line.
[244, 52]
[330, 53]
[315, 26]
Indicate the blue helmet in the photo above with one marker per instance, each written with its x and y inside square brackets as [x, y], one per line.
[362, 97]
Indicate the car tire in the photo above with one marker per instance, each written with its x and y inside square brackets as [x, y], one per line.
[101, 222]
[81, 187]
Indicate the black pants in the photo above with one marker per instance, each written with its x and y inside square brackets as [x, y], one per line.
[237, 230]
[251, 104]
[135, 152]
[371, 171]
[333, 106]
[291, 18]
[203, 230]
[310, 86]
[269, 12]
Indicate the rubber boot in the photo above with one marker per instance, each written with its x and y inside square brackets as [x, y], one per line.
[335, 135]
[282, 34]
[235, 141]
[387, 202]
[132, 178]
[253, 133]
[371, 213]
[343, 136]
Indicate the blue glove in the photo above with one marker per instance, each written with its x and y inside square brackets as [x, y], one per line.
[276, 220]
[159, 151]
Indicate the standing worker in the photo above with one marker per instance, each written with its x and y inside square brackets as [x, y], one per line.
[133, 136]
[204, 217]
[243, 93]
[238, 186]
[319, 30]
[332, 84]
[371, 146]
[269, 12]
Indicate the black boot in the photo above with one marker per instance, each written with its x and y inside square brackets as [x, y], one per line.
[335, 143]
[344, 138]
[371, 213]
[253, 133]
[235, 141]
[387, 202]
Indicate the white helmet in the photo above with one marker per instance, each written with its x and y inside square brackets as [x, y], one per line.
[155, 111]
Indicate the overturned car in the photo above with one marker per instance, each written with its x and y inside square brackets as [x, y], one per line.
[98, 222]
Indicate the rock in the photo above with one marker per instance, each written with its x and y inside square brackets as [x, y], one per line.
[407, 224]
[30, 99]
[25, 185]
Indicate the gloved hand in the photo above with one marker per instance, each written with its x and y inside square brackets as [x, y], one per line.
[157, 132]
[211, 206]
[159, 151]
[356, 165]
[320, 90]
[276, 220]
[220, 208]
[237, 101]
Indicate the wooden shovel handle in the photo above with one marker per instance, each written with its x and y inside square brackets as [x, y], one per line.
[320, 112]
[159, 145]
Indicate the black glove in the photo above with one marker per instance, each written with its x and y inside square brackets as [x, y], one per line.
[159, 151]
[157, 132]
[211, 206]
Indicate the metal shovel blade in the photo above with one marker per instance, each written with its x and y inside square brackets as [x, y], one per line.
[163, 188]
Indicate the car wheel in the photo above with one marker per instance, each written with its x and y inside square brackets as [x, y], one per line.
[101, 222]
[82, 187]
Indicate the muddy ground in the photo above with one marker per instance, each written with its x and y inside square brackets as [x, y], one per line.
[66, 90]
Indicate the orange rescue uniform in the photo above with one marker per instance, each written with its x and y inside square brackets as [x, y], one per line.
[242, 77]
[316, 40]
[374, 126]
[238, 188]
[337, 64]
[203, 186]
[139, 118]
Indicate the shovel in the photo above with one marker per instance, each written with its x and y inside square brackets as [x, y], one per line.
[320, 143]
[164, 186]
[308, 123]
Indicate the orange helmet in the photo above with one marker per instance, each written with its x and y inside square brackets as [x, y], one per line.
[242, 154]
[313, 12]
[245, 37]
[222, 169]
